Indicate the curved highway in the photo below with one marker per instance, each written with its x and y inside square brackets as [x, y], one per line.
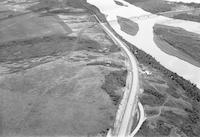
[124, 124]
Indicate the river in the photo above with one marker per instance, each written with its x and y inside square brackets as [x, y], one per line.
[144, 38]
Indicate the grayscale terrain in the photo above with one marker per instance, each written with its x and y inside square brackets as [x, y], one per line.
[99, 68]
[60, 74]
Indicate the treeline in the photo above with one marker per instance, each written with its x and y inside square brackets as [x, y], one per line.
[192, 4]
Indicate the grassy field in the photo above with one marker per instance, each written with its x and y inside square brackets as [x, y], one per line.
[30, 25]
[128, 26]
[58, 98]
[60, 75]
[180, 39]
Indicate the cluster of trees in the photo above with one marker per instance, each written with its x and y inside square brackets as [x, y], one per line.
[112, 82]
[192, 4]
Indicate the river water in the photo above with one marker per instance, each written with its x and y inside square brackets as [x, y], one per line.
[144, 38]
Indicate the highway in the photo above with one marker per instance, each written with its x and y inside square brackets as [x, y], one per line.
[130, 102]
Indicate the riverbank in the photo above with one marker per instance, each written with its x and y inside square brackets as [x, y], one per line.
[162, 86]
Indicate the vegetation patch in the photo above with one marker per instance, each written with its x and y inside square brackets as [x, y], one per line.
[35, 47]
[173, 92]
[152, 112]
[169, 49]
[152, 98]
[88, 45]
[119, 3]
[48, 5]
[157, 129]
[43, 46]
[190, 17]
[114, 81]
[191, 4]
[57, 98]
[31, 25]
[128, 26]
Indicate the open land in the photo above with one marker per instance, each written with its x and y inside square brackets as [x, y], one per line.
[60, 74]
[74, 89]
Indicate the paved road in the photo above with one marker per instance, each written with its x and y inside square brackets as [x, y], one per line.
[125, 124]
[141, 119]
